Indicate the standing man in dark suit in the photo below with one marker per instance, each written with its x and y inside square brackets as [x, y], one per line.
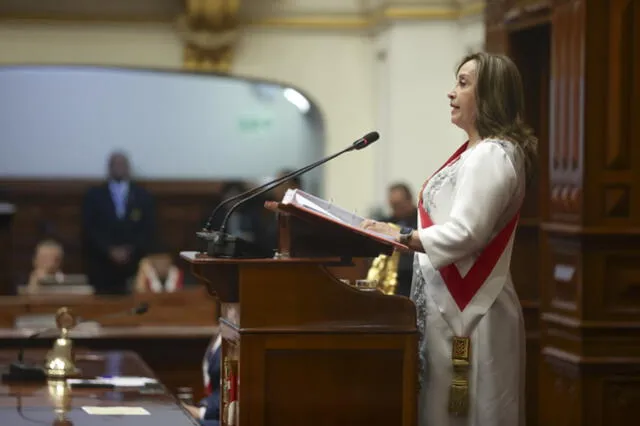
[118, 225]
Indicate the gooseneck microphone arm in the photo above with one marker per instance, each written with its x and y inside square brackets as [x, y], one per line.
[273, 184]
[359, 144]
[209, 223]
[363, 142]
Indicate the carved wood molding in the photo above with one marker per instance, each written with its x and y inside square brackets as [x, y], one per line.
[308, 14]
[210, 32]
[590, 217]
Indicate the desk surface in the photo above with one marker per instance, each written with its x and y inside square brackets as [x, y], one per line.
[32, 404]
[133, 332]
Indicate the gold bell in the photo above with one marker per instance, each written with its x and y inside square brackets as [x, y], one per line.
[59, 362]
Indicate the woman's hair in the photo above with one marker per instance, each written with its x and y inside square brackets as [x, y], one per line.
[500, 104]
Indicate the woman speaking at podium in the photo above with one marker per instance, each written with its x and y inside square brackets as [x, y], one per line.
[472, 343]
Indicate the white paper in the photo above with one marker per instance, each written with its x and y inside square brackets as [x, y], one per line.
[127, 381]
[116, 411]
[301, 198]
[119, 382]
[330, 210]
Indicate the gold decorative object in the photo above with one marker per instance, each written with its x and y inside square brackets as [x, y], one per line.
[230, 391]
[60, 396]
[459, 391]
[209, 30]
[59, 362]
[384, 269]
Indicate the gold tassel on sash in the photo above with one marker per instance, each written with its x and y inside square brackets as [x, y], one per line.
[459, 391]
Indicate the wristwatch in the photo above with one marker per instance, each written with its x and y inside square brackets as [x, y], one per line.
[405, 235]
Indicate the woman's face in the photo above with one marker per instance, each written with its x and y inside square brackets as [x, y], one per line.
[463, 97]
[48, 259]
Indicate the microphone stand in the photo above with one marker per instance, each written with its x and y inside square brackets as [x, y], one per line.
[222, 244]
[244, 248]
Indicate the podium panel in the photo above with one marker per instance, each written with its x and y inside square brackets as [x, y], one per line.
[301, 347]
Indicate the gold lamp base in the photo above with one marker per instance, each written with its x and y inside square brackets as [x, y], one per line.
[59, 362]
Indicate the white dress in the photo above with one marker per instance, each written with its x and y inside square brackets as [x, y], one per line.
[469, 202]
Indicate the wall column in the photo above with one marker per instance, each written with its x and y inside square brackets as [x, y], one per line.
[416, 52]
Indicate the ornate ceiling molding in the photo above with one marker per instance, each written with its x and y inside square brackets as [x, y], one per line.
[294, 14]
[91, 10]
[369, 16]
[209, 30]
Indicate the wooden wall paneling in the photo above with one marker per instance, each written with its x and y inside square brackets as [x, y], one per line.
[495, 33]
[496, 39]
[529, 47]
[6, 248]
[590, 244]
[566, 116]
[614, 163]
[52, 208]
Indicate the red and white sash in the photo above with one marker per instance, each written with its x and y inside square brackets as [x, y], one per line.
[464, 289]
[174, 281]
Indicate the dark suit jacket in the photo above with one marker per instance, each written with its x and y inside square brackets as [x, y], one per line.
[212, 401]
[103, 229]
[405, 263]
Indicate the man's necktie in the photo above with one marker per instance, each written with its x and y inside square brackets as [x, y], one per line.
[119, 201]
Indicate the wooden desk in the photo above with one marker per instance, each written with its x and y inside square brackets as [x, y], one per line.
[174, 353]
[171, 338]
[190, 307]
[29, 404]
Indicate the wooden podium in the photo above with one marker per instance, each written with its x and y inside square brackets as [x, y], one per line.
[301, 347]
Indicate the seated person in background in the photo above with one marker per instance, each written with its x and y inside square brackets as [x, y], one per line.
[404, 214]
[208, 410]
[47, 265]
[158, 274]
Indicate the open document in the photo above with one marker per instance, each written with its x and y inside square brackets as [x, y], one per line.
[330, 211]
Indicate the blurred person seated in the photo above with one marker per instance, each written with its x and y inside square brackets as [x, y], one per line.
[47, 265]
[47, 276]
[208, 409]
[404, 213]
[246, 220]
[157, 273]
[277, 193]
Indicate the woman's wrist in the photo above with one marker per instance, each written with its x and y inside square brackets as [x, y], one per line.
[413, 241]
[405, 235]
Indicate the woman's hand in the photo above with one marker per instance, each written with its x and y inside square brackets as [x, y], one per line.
[414, 243]
[381, 228]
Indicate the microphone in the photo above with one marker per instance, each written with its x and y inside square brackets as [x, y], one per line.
[363, 142]
[209, 223]
[229, 246]
[19, 371]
